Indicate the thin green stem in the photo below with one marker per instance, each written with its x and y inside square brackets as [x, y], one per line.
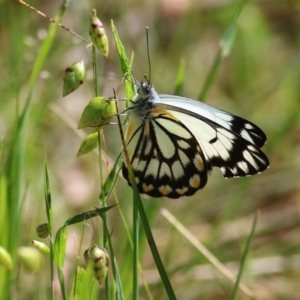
[144, 220]
[244, 257]
[135, 216]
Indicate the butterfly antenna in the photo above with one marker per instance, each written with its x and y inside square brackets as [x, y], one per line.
[148, 53]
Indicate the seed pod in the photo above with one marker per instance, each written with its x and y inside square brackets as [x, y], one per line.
[43, 248]
[98, 113]
[97, 258]
[31, 259]
[5, 259]
[74, 77]
[43, 230]
[88, 144]
[97, 33]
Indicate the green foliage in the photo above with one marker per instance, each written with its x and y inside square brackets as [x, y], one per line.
[242, 58]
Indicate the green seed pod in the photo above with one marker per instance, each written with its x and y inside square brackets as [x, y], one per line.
[43, 248]
[98, 113]
[97, 258]
[31, 259]
[88, 144]
[97, 33]
[43, 230]
[74, 77]
[5, 259]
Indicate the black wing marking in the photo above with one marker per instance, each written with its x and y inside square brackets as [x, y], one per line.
[244, 128]
[224, 148]
[166, 158]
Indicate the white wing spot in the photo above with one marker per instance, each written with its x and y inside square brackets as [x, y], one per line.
[177, 169]
[250, 159]
[182, 144]
[249, 126]
[184, 159]
[164, 170]
[152, 168]
[243, 166]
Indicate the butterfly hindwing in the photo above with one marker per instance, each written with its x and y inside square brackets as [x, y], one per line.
[165, 156]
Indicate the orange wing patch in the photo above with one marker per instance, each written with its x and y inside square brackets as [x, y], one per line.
[165, 190]
[159, 111]
[147, 188]
[182, 191]
[195, 181]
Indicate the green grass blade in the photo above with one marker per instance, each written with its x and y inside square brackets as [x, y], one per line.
[48, 201]
[60, 246]
[179, 81]
[111, 178]
[46, 46]
[48, 205]
[150, 239]
[62, 283]
[125, 65]
[224, 49]
[119, 295]
[244, 257]
[82, 289]
[87, 215]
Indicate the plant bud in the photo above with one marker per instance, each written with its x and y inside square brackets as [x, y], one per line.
[43, 230]
[97, 33]
[97, 258]
[43, 248]
[74, 77]
[5, 259]
[88, 144]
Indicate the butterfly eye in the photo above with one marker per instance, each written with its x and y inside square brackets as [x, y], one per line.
[144, 90]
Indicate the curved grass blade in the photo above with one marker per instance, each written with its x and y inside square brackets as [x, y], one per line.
[224, 49]
[244, 257]
[111, 178]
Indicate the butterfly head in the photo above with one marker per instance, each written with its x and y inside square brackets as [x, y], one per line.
[146, 91]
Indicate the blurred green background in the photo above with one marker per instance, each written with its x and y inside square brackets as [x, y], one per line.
[259, 80]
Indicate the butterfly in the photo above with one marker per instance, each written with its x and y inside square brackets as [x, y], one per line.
[174, 142]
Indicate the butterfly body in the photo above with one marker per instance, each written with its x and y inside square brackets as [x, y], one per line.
[173, 143]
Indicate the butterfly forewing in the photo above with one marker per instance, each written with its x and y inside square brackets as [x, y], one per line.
[224, 148]
[238, 125]
[166, 158]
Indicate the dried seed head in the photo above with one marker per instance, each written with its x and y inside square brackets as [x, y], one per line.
[97, 33]
[97, 258]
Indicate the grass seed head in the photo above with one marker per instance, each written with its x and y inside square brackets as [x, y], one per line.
[97, 258]
[98, 35]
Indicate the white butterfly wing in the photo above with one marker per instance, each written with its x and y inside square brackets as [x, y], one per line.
[240, 126]
[228, 142]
